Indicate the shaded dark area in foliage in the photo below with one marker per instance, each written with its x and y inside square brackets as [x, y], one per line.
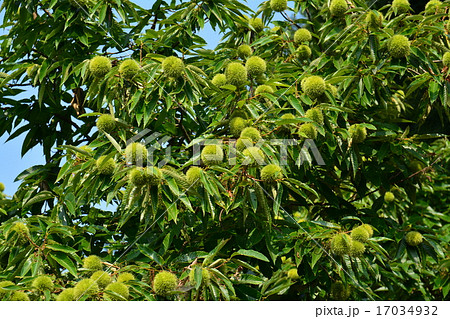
[417, 5]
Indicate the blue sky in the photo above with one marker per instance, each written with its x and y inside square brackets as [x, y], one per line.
[12, 164]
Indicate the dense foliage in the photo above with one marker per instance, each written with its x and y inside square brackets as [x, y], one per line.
[121, 99]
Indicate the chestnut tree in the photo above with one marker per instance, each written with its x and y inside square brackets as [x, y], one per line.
[304, 158]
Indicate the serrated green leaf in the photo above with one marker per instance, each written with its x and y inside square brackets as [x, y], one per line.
[64, 261]
[250, 253]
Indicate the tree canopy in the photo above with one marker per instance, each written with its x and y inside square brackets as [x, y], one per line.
[304, 158]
